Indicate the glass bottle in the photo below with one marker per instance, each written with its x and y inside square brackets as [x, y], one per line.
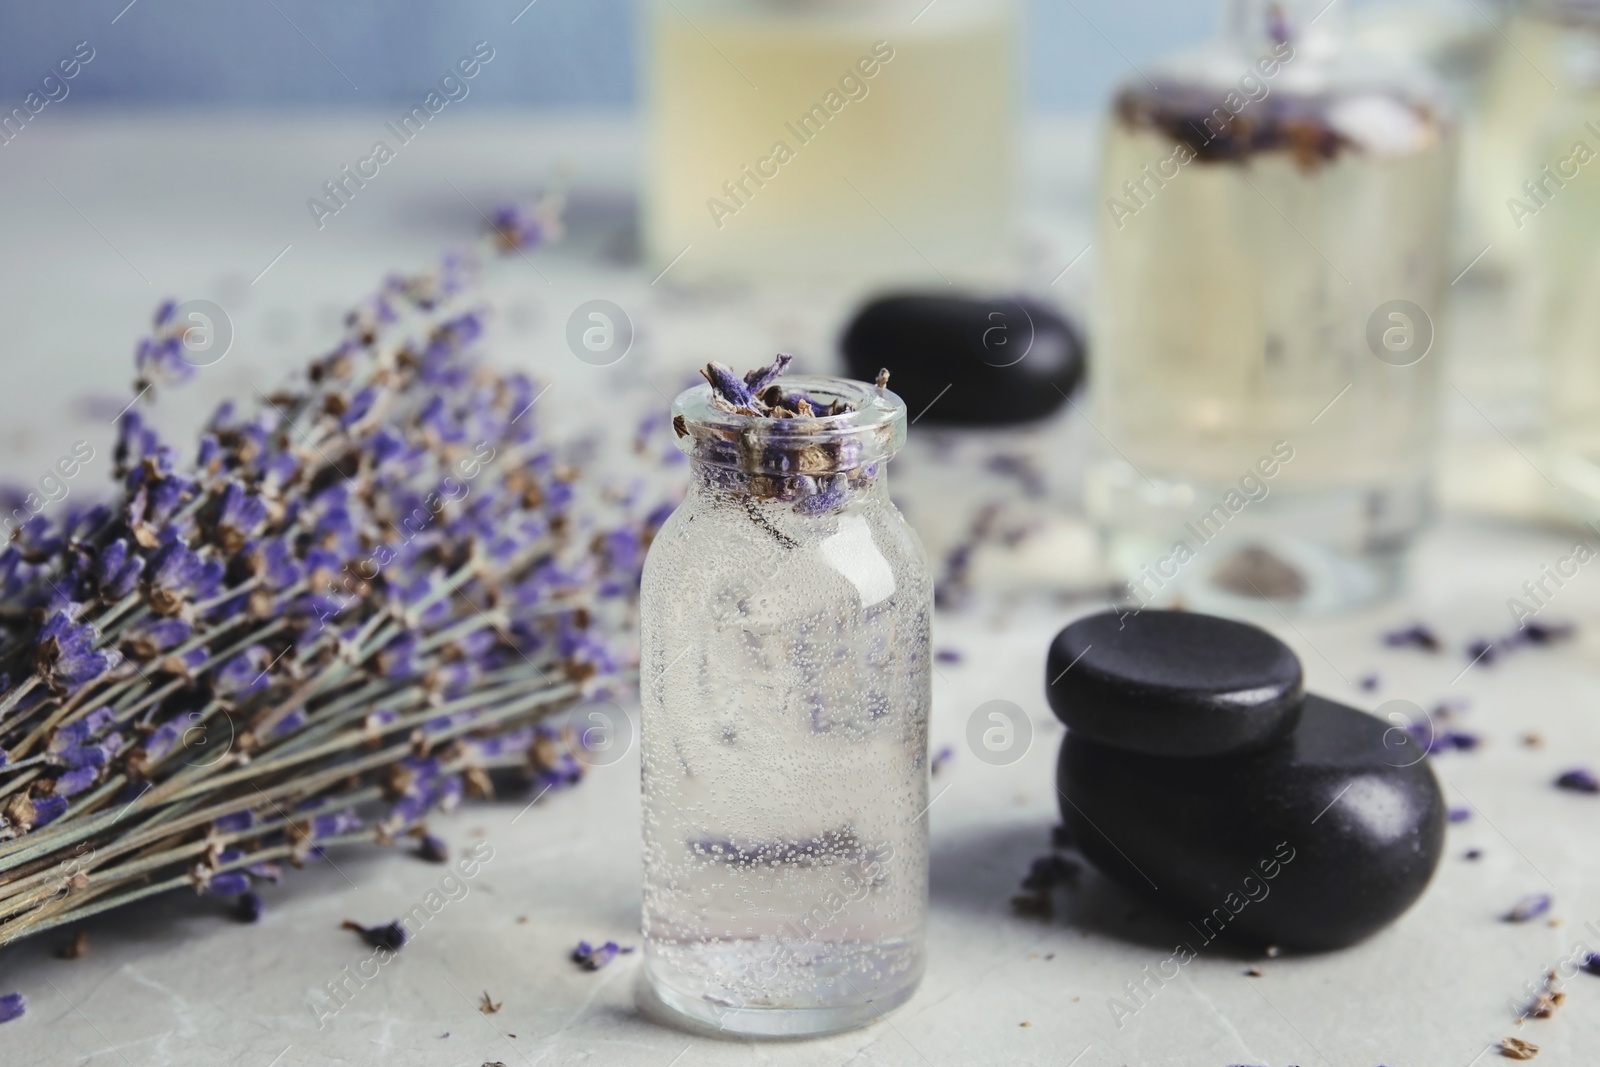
[868, 139]
[785, 689]
[1556, 204]
[1274, 244]
[1549, 54]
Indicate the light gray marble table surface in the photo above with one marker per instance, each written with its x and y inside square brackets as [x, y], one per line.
[105, 214]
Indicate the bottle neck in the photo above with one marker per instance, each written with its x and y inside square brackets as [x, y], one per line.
[807, 494]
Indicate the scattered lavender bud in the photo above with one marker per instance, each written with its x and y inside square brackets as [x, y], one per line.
[1416, 636]
[1579, 780]
[940, 758]
[1592, 964]
[1034, 905]
[592, 959]
[1529, 907]
[1050, 871]
[1483, 651]
[391, 937]
[516, 226]
[1369, 683]
[948, 655]
[248, 908]
[1515, 1048]
[1473, 854]
[12, 1006]
[433, 849]
[1535, 632]
[1460, 814]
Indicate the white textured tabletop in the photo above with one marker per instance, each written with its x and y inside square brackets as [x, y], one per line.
[104, 215]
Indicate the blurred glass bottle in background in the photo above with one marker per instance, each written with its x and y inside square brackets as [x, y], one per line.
[870, 140]
[1556, 207]
[1550, 49]
[1275, 228]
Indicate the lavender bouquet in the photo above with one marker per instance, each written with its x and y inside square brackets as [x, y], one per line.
[362, 597]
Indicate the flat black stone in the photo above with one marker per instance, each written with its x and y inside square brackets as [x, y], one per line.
[1312, 843]
[1173, 683]
[987, 362]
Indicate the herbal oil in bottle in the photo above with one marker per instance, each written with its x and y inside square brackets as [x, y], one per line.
[1274, 238]
[834, 138]
[785, 687]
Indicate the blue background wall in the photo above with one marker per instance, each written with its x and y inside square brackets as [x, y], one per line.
[265, 53]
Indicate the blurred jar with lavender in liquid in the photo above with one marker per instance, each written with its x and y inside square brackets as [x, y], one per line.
[1275, 220]
[785, 688]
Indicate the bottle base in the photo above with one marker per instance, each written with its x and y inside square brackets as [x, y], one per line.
[1210, 548]
[708, 1016]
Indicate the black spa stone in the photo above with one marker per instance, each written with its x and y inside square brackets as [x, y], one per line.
[965, 361]
[1173, 683]
[1311, 843]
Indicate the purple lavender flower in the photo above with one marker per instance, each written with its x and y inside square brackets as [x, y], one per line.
[591, 958]
[1529, 907]
[176, 575]
[940, 758]
[149, 639]
[85, 729]
[65, 652]
[1592, 963]
[239, 820]
[228, 884]
[728, 385]
[334, 824]
[48, 809]
[758, 379]
[117, 570]
[825, 500]
[161, 742]
[1460, 814]
[12, 1006]
[245, 673]
[1579, 780]
[239, 516]
[518, 227]
[76, 781]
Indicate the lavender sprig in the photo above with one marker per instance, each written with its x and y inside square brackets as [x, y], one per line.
[358, 602]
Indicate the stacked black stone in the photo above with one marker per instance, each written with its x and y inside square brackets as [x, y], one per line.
[1197, 770]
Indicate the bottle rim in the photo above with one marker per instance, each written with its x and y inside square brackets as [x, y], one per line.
[871, 432]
